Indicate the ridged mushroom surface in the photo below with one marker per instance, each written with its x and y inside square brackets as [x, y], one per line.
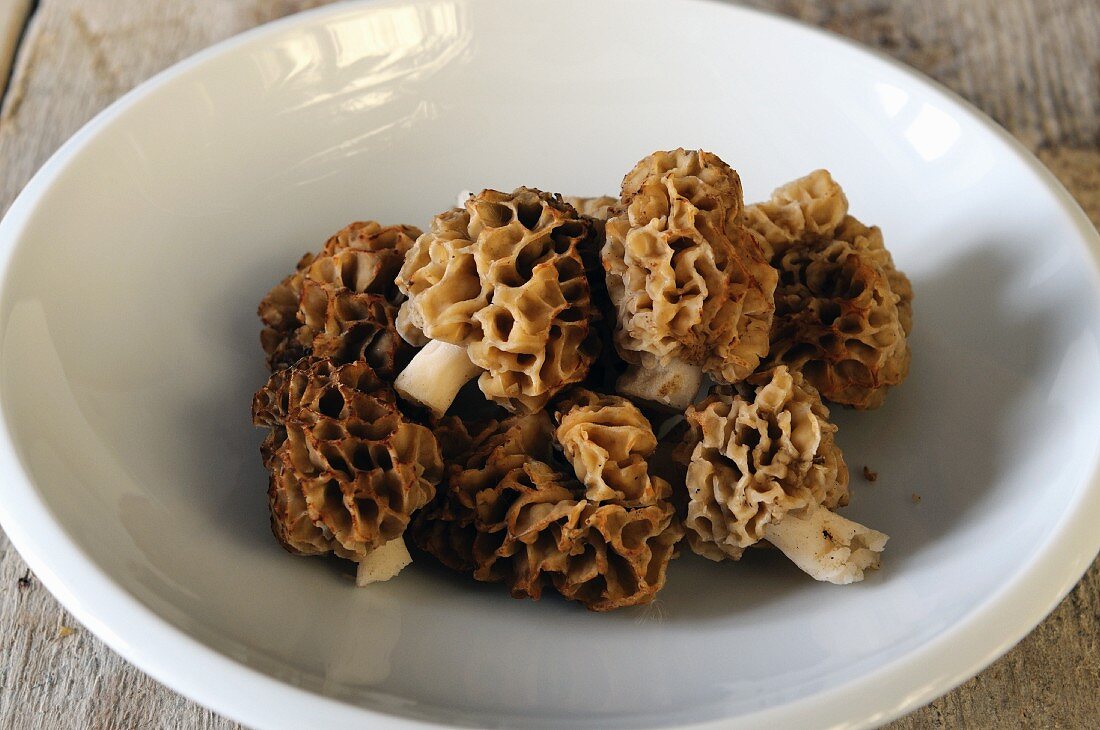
[503, 280]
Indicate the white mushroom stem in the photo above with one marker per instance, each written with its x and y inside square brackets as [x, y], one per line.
[675, 384]
[827, 546]
[383, 562]
[435, 376]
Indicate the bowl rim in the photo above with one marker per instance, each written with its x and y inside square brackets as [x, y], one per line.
[173, 657]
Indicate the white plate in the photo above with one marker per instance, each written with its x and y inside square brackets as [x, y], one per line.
[134, 260]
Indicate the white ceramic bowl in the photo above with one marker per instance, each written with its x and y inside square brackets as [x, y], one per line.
[134, 261]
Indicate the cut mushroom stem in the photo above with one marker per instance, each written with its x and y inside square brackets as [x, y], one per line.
[435, 376]
[674, 385]
[383, 563]
[827, 546]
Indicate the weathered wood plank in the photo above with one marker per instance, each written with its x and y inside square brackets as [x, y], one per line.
[13, 16]
[1034, 66]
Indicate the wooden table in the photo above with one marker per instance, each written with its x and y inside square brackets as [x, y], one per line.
[1034, 66]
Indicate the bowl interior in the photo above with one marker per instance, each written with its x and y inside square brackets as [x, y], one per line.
[130, 347]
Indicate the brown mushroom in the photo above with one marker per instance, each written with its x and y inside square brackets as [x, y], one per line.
[692, 287]
[509, 514]
[498, 287]
[342, 302]
[347, 469]
[843, 311]
[765, 467]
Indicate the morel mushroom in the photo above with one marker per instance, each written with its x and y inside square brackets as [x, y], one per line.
[498, 287]
[843, 311]
[342, 302]
[477, 459]
[347, 470]
[609, 444]
[601, 207]
[765, 467]
[508, 514]
[691, 284]
[809, 208]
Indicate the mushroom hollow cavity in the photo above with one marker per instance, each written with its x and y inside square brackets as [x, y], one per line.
[503, 279]
[691, 285]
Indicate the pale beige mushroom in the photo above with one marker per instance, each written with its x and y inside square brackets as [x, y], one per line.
[765, 466]
[691, 285]
[843, 311]
[809, 208]
[498, 288]
[609, 443]
[347, 469]
[600, 207]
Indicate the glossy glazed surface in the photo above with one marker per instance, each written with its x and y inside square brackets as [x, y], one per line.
[129, 353]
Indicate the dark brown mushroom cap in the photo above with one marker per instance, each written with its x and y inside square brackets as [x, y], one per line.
[347, 468]
[843, 310]
[342, 302]
[508, 514]
[838, 321]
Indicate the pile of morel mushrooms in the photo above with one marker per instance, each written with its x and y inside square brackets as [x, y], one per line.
[584, 322]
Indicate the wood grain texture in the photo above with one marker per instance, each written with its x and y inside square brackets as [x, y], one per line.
[13, 17]
[1032, 65]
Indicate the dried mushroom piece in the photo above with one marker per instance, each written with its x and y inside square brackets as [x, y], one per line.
[840, 321]
[341, 302]
[477, 458]
[532, 532]
[811, 207]
[691, 284]
[843, 310]
[499, 288]
[609, 443]
[507, 514]
[765, 467]
[601, 207]
[347, 470]
[869, 240]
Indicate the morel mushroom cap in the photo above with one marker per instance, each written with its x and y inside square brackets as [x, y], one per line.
[811, 207]
[601, 207]
[499, 286]
[609, 443]
[347, 469]
[477, 459]
[843, 310]
[507, 514]
[533, 531]
[342, 302]
[691, 285]
[765, 457]
[869, 240]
